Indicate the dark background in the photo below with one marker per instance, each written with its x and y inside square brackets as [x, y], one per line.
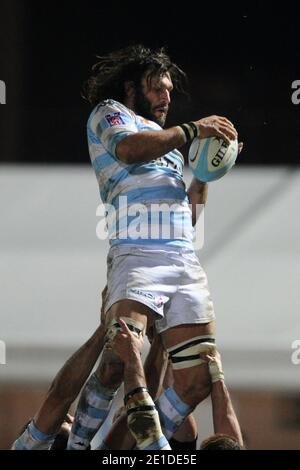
[241, 61]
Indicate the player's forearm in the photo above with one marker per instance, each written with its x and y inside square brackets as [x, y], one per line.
[148, 145]
[68, 383]
[197, 193]
[76, 370]
[134, 375]
[224, 417]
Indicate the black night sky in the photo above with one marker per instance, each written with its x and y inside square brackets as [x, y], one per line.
[241, 61]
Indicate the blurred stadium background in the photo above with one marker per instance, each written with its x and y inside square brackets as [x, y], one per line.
[241, 63]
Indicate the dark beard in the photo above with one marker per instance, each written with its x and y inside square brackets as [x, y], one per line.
[142, 107]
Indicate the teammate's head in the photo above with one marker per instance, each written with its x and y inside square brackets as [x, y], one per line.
[139, 77]
[220, 442]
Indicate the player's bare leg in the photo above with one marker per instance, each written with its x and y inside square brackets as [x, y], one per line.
[191, 377]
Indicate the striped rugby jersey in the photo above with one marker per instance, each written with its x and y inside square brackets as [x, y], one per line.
[138, 196]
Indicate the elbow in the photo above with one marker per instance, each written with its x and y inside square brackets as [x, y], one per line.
[129, 150]
[125, 153]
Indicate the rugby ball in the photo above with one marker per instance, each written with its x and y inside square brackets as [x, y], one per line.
[212, 158]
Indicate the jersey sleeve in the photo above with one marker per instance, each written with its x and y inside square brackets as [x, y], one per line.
[112, 122]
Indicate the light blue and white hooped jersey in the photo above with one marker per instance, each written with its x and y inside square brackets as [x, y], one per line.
[138, 196]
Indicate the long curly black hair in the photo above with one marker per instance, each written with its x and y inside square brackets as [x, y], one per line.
[111, 72]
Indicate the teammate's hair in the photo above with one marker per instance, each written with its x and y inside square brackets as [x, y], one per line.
[130, 64]
[220, 442]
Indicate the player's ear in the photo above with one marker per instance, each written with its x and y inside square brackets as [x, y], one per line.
[129, 90]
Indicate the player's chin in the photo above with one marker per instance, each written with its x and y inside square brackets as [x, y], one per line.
[160, 118]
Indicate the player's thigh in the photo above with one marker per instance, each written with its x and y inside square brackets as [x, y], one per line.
[180, 333]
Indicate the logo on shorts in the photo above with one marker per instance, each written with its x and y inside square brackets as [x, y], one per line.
[114, 119]
[157, 301]
[144, 294]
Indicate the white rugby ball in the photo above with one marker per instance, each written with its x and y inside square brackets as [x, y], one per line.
[212, 158]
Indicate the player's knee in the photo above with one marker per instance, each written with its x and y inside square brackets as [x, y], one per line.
[194, 391]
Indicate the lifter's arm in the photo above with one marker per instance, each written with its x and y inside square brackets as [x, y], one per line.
[224, 417]
[118, 436]
[128, 347]
[68, 383]
[142, 416]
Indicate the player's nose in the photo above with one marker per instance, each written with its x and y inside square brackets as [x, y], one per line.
[167, 97]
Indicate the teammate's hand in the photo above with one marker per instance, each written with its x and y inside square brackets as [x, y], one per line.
[125, 344]
[216, 126]
[214, 365]
[66, 426]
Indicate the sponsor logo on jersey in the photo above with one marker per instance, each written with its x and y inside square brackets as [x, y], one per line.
[114, 119]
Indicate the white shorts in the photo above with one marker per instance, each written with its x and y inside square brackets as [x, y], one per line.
[172, 283]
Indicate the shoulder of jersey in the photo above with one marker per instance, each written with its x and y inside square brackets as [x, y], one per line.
[111, 105]
[116, 105]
